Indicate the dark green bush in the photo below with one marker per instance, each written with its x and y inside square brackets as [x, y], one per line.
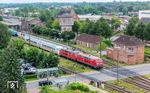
[78, 86]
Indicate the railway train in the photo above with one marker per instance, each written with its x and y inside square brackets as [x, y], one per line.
[66, 52]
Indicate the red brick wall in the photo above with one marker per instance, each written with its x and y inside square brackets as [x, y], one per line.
[123, 55]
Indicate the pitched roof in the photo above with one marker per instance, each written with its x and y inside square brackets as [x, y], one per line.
[65, 16]
[67, 13]
[128, 40]
[89, 38]
[35, 21]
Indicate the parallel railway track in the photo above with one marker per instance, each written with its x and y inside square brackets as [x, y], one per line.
[140, 82]
[110, 86]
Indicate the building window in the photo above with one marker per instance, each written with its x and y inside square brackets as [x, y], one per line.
[131, 50]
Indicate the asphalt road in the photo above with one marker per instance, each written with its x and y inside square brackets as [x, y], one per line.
[104, 74]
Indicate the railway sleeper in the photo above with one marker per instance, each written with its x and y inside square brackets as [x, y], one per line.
[141, 83]
[141, 80]
[140, 86]
[117, 88]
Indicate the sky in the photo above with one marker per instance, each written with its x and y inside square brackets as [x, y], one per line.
[32, 1]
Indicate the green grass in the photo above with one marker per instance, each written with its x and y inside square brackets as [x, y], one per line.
[30, 77]
[147, 50]
[74, 65]
[128, 86]
[147, 54]
[147, 76]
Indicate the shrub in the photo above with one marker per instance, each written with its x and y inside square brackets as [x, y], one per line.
[78, 86]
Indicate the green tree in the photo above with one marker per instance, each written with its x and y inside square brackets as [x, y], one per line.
[37, 29]
[139, 30]
[131, 26]
[53, 33]
[17, 44]
[50, 60]
[30, 54]
[115, 22]
[102, 28]
[4, 36]
[56, 25]
[49, 23]
[1, 18]
[10, 71]
[147, 32]
[40, 59]
[67, 35]
[75, 27]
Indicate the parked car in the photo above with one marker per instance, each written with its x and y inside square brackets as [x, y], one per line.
[45, 82]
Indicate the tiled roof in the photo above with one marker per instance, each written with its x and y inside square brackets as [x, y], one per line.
[67, 13]
[35, 21]
[89, 38]
[65, 16]
[128, 40]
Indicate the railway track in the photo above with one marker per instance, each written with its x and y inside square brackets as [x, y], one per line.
[107, 65]
[140, 82]
[117, 88]
[110, 86]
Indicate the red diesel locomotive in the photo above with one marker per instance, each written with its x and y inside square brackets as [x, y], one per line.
[82, 57]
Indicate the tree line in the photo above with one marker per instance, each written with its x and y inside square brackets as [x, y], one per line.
[100, 27]
[92, 8]
[9, 65]
[138, 28]
[11, 50]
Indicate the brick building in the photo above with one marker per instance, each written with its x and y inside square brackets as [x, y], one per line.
[87, 40]
[127, 49]
[66, 22]
[67, 18]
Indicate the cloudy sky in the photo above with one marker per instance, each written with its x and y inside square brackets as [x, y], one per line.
[31, 1]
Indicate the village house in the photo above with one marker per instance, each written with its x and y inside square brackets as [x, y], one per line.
[12, 23]
[26, 23]
[66, 22]
[90, 41]
[67, 18]
[127, 49]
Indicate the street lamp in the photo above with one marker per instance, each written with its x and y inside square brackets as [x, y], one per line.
[47, 72]
[101, 46]
[117, 63]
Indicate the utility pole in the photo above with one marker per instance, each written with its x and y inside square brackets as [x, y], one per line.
[47, 72]
[101, 46]
[67, 39]
[117, 65]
